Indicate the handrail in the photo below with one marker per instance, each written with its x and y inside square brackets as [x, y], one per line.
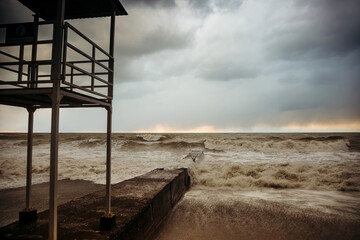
[11, 83]
[87, 61]
[35, 76]
[25, 82]
[86, 90]
[9, 55]
[87, 56]
[12, 70]
[89, 74]
[17, 44]
[87, 39]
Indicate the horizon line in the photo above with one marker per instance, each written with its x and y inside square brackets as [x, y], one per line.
[186, 132]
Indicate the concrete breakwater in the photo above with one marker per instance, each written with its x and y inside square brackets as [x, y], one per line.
[140, 204]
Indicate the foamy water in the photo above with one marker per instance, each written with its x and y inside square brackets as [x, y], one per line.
[300, 161]
[275, 183]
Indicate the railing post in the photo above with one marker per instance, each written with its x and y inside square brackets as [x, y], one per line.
[21, 59]
[65, 52]
[33, 53]
[93, 67]
[71, 77]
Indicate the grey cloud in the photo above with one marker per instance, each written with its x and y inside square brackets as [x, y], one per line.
[151, 3]
[224, 72]
[223, 63]
[154, 41]
[341, 21]
[327, 28]
[168, 69]
[207, 6]
[332, 90]
[132, 56]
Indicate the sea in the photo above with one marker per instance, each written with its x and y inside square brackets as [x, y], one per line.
[241, 179]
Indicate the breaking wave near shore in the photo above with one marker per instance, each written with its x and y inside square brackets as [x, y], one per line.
[279, 161]
[244, 186]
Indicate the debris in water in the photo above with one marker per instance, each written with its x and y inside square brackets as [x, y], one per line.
[195, 154]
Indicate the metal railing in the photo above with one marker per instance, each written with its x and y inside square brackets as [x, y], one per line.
[76, 70]
[82, 72]
[26, 71]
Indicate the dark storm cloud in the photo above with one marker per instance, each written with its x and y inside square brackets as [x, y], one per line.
[328, 91]
[231, 64]
[151, 3]
[326, 28]
[341, 21]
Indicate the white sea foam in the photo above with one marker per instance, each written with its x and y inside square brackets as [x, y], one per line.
[230, 160]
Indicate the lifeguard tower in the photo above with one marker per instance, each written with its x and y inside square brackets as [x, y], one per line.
[70, 77]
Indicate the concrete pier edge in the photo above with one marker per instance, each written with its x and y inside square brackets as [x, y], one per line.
[140, 204]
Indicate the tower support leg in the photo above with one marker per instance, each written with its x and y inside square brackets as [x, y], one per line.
[109, 219]
[54, 149]
[29, 215]
[55, 111]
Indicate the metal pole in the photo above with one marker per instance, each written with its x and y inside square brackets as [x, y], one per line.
[108, 161]
[54, 165]
[55, 98]
[21, 59]
[93, 68]
[109, 117]
[29, 156]
[34, 52]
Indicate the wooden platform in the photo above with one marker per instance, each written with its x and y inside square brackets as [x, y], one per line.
[41, 98]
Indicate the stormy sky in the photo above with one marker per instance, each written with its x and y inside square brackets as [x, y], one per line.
[221, 65]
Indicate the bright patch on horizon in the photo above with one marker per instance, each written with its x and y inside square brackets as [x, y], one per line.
[160, 128]
[310, 127]
[323, 127]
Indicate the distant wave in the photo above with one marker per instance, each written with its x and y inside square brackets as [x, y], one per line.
[174, 146]
[274, 145]
[92, 143]
[132, 144]
[330, 138]
[183, 144]
[280, 161]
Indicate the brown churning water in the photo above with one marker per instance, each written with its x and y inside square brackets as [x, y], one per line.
[246, 186]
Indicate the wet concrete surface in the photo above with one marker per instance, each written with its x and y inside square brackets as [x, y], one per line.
[140, 205]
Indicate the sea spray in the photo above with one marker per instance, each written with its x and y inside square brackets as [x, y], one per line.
[281, 161]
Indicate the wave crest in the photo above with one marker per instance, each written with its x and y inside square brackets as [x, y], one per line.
[284, 175]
